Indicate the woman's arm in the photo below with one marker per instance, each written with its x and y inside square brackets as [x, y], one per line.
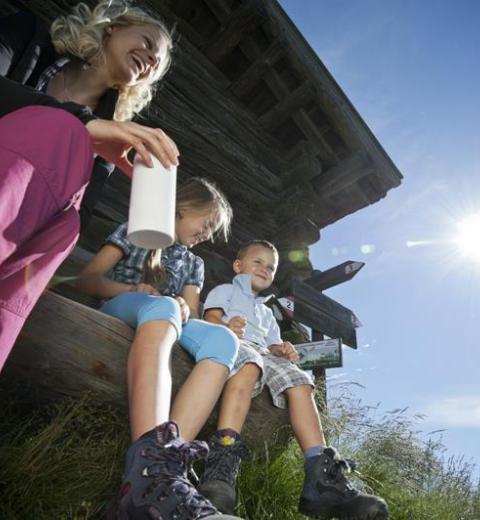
[92, 279]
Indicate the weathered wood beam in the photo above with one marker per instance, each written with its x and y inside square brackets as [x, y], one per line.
[67, 349]
[287, 106]
[256, 70]
[343, 174]
[244, 20]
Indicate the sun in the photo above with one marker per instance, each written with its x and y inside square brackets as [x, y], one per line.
[468, 238]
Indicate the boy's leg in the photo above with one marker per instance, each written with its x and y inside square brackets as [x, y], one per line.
[218, 482]
[326, 492]
[304, 418]
[237, 397]
[214, 348]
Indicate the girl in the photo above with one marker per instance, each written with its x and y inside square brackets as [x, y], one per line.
[66, 96]
[157, 293]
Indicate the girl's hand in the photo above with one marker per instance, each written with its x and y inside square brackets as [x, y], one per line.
[112, 140]
[145, 288]
[184, 308]
[237, 325]
[285, 350]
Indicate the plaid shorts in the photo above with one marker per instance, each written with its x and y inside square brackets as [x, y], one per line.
[277, 373]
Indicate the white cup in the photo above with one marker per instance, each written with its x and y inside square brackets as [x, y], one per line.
[151, 216]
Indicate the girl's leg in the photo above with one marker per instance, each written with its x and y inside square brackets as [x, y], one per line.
[214, 348]
[158, 324]
[304, 417]
[41, 172]
[149, 376]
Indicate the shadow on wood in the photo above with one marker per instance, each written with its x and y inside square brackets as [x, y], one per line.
[69, 349]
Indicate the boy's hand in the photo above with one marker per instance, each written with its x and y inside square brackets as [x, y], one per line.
[285, 350]
[237, 325]
[184, 308]
[145, 288]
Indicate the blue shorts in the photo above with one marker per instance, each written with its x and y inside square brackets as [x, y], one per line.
[200, 339]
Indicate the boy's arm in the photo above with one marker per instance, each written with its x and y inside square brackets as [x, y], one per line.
[236, 324]
[276, 345]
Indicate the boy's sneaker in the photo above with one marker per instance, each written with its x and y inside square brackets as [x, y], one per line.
[327, 493]
[155, 484]
[218, 482]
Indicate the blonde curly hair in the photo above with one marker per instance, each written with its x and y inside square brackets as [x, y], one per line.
[81, 34]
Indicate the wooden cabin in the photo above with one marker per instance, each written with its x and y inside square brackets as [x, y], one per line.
[252, 107]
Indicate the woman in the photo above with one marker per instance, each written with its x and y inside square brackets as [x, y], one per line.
[66, 98]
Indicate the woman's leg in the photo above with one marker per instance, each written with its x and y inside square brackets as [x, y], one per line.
[45, 162]
[214, 348]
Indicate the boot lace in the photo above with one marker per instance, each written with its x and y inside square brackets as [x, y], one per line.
[168, 471]
[223, 462]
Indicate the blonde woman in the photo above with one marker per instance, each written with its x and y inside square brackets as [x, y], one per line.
[66, 98]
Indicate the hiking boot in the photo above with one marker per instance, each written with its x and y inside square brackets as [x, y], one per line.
[327, 493]
[155, 484]
[218, 482]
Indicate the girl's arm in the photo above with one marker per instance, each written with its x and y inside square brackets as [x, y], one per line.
[92, 279]
[191, 295]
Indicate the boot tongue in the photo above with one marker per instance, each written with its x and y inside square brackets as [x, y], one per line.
[166, 433]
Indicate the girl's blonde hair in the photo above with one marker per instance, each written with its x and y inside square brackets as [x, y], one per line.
[82, 34]
[201, 197]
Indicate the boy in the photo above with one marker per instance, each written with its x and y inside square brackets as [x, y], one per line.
[264, 358]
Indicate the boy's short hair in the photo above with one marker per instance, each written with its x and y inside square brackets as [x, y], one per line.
[252, 243]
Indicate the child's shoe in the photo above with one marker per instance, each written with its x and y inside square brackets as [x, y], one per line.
[218, 482]
[327, 493]
[155, 485]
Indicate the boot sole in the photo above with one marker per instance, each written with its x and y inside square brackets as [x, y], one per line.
[310, 508]
[224, 502]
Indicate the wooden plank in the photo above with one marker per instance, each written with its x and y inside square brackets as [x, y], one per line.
[244, 20]
[341, 273]
[69, 349]
[324, 323]
[307, 294]
[287, 105]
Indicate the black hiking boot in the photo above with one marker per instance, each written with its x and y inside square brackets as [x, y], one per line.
[327, 493]
[218, 482]
[155, 484]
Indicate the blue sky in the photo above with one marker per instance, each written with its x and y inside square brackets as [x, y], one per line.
[411, 69]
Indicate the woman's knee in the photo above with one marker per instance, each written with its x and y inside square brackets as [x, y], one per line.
[53, 140]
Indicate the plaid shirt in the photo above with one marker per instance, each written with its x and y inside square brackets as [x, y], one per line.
[180, 264]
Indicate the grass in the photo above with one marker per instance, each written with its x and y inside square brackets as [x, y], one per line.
[63, 462]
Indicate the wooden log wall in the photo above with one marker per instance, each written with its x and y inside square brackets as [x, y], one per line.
[252, 107]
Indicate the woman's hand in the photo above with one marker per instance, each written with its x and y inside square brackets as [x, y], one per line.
[112, 140]
[145, 288]
[184, 309]
[285, 350]
[237, 325]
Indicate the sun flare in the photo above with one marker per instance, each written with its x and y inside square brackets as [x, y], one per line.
[468, 238]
